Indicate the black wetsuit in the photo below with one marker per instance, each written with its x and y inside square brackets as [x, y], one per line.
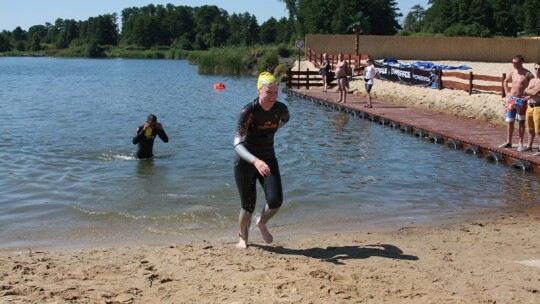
[255, 131]
[146, 144]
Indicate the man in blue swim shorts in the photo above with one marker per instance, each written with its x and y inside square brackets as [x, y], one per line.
[516, 107]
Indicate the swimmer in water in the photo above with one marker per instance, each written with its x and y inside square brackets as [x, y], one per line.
[255, 156]
[145, 135]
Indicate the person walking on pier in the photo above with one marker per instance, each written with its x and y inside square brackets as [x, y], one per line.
[516, 106]
[532, 95]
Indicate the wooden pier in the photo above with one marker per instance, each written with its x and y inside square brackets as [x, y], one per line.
[471, 136]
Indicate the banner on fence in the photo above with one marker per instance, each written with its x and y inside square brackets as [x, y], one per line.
[407, 75]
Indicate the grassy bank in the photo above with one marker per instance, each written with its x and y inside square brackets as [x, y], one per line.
[216, 61]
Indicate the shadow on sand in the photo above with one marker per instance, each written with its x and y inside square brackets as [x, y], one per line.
[337, 254]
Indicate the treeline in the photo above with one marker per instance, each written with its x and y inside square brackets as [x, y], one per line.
[201, 28]
[152, 26]
[476, 18]
[205, 27]
[377, 17]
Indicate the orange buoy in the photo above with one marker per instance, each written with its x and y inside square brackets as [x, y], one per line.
[219, 86]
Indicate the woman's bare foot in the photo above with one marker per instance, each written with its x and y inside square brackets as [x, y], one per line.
[339, 100]
[267, 237]
[242, 244]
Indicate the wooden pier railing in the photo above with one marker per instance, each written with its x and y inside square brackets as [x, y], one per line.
[304, 79]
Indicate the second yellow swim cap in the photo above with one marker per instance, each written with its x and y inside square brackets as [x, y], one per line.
[266, 78]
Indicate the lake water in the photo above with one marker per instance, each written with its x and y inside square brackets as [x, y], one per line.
[68, 177]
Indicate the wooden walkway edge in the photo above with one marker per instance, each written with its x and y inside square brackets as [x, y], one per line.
[472, 136]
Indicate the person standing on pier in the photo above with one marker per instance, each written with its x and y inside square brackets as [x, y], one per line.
[516, 106]
[370, 72]
[324, 70]
[342, 71]
[532, 96]
[255, 158]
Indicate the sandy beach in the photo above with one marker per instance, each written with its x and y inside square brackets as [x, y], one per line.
[492, 259]
[483, 261]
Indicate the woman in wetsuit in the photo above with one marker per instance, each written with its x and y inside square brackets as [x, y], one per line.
[145, 135]
[256, 159]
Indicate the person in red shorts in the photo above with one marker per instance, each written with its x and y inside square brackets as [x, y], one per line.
[516, 106]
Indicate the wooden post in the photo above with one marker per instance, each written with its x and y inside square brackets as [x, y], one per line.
[307, 79]
[503, 92]
[289, 78]
[439, 79]
[470, 82]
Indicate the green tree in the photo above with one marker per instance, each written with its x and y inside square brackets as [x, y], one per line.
[470, 30]
[268, 31]
[482, 18]
[243, 29]
[293, 8]
[481, 13]
[36, 34]
[146, 31]
[315, 16]
[19, 38]
[439, 16]
[102, 30]
[531, 19]
[19, 34]
[414, 19]
[178, 23]
[505, 22]
[384, 16]
[285, 30]
[4, 42]
[211, 27]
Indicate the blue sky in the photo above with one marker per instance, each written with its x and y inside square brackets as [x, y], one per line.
[26, 13]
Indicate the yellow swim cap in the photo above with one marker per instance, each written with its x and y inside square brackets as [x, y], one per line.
[266, 78]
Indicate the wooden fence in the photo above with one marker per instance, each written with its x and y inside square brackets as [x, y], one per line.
[470, 86]
[429, 48]
[304, 79]
[446, 79]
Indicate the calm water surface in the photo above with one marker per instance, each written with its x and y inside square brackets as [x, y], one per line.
[68, 177]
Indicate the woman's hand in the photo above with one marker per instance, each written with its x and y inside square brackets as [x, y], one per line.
[262, 167]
